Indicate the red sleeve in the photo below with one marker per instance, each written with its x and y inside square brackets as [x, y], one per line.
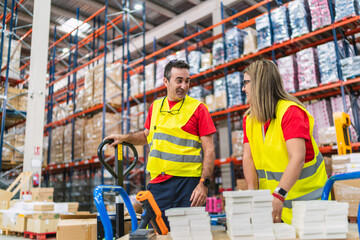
[295, 124]
[148, 118]
[246, 140]
[205, 123]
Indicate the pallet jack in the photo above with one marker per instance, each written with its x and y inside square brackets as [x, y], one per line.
[151, 213]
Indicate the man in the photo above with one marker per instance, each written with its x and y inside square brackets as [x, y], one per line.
[176, 129]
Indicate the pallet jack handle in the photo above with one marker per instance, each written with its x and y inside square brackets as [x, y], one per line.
[119, 175]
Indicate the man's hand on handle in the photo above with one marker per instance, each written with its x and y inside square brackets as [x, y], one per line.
[118, 138]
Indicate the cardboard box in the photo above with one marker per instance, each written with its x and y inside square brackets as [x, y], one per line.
[42, 194]
[79, 229]
[43, 207]
[44, 215]
[348, 191]
[19, 225]
[5, 197]
[42, 225]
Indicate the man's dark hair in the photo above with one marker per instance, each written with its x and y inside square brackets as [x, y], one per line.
[174, 64]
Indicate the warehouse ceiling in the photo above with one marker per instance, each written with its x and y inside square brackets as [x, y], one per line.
[157, 12]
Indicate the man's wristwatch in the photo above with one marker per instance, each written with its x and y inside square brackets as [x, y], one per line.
[282, 192]
[205, 181]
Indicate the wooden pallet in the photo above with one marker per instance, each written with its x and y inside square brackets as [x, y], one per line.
[4, 231]
[7, 232]
[39, 236]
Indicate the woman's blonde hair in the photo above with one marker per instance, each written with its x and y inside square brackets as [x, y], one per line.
[266, 89]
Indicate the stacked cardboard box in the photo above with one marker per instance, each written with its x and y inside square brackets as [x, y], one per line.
[8, 152]
[15, 52]
[220, 94]
[189, 223]
[339, 163]
[57, 146]
[206, 61]
[19, 142]
[112, 125]
[42, 223]
[80, 229]
[218, 52]
[237, 138]
[88, 88]
[160, 67]
[135, 81]
[250, 41]
[149, 77]
[42, 194]
[67, 142]
[348, 191]
[210, 102]
[79, 138]
[89, 145]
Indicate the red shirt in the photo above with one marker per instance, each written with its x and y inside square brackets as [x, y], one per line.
[200, 124]
[295, 124]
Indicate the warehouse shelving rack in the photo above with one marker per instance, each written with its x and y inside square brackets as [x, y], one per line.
[11, 116]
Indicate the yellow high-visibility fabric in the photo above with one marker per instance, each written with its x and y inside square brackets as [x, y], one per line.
[271, 158]
[172, 150]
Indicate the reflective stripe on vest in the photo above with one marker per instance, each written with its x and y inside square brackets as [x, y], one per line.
[316, 194]
[176, 157]
[176, 140]
[306, 172]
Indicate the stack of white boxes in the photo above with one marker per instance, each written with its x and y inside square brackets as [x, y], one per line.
[249, 214]
[320, 219]
[284, 231]
[261, 216]
[189, 223]
[336, 220]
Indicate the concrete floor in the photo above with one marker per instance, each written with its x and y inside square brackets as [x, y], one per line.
[352, 227]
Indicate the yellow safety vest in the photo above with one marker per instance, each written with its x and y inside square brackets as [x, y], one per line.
[271, 158]
[172, 150]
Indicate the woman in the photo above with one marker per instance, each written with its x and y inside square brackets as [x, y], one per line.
[280, 152]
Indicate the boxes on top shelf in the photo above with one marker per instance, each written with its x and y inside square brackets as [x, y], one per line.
[299, 18]
[288, 71]
[320, 13]
[308, 71]
[280, 24]
[234, 39]
[15, 53]
[194, 59]
[149, 77]
[344, 9]
[237, 138]
[250, 41]
[220, 94]
[218, 52]
[327, 63]
[263, 31]
[206, 61]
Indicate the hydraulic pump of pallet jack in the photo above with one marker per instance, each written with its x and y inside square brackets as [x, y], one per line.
[151, 213]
